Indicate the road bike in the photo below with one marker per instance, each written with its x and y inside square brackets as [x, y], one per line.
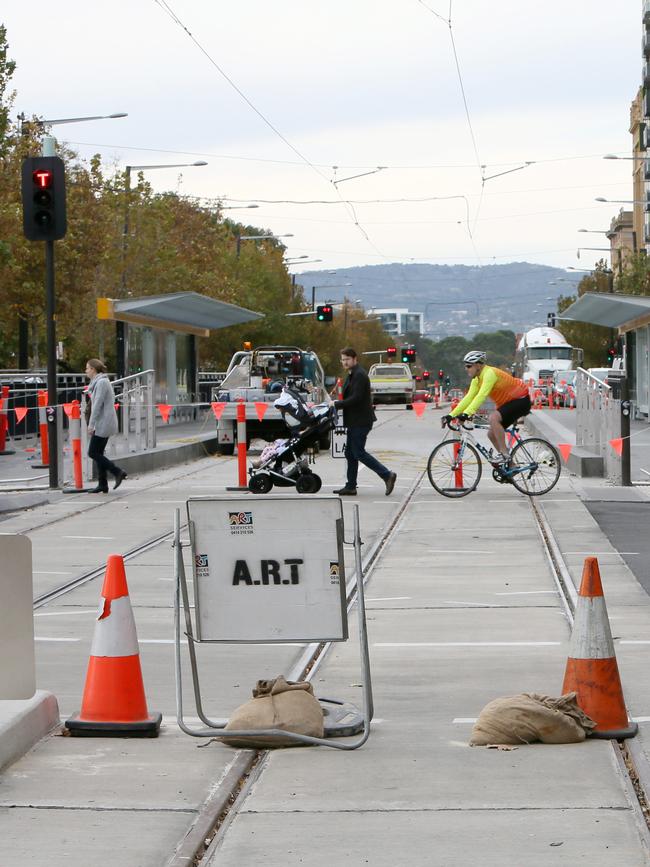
[455, 467]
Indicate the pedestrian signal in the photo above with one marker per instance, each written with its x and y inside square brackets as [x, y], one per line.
[43, 195]
[324, 313]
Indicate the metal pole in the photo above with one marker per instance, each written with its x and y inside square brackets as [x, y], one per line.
[626, 474]
[125, 229]
[238, 245]
[313, 297]
[52, 397]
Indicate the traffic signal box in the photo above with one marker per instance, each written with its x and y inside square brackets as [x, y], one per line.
[441, 373]
[43, 194]
[425, 374]
[408, 355]
[391, 352]
[551, 320]
[324, 313]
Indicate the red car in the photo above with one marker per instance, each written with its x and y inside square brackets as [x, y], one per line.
[421, 395]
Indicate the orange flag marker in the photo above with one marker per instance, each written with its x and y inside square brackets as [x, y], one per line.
[164, 409]
[21, 412]
[218, 408]
[260, 409]
[617, 445]
[565, 450]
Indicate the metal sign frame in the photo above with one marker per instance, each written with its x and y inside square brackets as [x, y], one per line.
[336, 450]
[215, 728]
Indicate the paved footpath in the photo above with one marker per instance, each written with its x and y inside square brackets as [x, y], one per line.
[461, 609]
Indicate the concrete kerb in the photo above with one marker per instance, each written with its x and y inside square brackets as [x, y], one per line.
[581, 461]
[24, 723]
[168, 455]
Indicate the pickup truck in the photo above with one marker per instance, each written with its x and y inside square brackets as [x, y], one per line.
[257, 377]
[391, 383]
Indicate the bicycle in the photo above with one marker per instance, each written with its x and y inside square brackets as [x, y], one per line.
[455, 468]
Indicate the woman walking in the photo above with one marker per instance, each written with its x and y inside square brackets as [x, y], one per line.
[102, 424]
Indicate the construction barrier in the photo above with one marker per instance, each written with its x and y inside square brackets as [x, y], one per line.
[114, 703]
[4, 422]
[75, 439]
[241, 444]
[42, 429]
[592, 670]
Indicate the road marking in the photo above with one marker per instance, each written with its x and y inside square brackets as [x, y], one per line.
[165, 502]
[43, 638]
[173, 640]
[386, 598]
[39, 572]
[63, 613]
[93, 538]
[467, 644]
[644, 471]
[456, 551]
[477, 604]
[631, 641]
[526, 592]
[597, 553]
[464, 720]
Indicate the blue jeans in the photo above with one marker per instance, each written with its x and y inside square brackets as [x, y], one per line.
[355, 453]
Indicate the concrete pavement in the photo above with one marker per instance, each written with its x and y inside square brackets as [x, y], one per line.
[461, 609]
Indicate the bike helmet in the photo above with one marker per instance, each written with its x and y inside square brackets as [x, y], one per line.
[475, 357]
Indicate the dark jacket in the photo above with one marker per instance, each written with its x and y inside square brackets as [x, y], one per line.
[357, 400]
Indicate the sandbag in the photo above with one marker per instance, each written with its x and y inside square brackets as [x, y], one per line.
[277, 704]
[528, 717]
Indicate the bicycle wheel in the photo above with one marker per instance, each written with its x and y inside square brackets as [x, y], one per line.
[535, 466]
[450, 476]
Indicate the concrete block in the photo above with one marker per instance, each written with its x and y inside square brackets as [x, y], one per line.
[24, 723]
[585, 463]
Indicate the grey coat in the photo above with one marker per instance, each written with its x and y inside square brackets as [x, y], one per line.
[103, 417]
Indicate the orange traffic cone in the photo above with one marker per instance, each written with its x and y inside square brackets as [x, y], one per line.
[591, 669]
[114, 703]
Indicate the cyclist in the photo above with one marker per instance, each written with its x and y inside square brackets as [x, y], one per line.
[509, 394]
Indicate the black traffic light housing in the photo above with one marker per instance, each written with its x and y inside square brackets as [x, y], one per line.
[425, 374]
[391, 352]
[611, 354]
[324, 313]
[441, 373]
[410, 355]
[551, 320]
[43, 194]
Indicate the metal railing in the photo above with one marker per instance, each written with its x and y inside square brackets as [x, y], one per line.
[598, 420]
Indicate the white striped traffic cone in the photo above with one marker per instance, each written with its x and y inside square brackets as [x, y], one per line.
[592, 670]
[114, 702]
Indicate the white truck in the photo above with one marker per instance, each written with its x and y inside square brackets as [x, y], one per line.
[391, 383]
[256, 377]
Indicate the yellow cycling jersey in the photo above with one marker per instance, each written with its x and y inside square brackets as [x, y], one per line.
[490, 382]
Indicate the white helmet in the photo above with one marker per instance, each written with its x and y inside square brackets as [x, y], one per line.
[475, 357]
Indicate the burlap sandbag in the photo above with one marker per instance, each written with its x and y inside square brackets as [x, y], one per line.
[526, 718]
[277, 704]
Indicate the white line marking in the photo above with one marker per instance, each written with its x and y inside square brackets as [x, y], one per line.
[93, 538]
[172, 640]
[63, 613]
[467, 644]
[630, 641]
[644, 471]
[164, 502]
[456, 551]
[464, 720]
[39, 572]
[526, 592]
[597, 553]
[43, 638]
[386, 598]
[477, 604]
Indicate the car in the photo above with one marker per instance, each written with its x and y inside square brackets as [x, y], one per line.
[421, 395]
[562, 386]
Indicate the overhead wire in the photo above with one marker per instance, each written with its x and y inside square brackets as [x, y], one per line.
[165, 6]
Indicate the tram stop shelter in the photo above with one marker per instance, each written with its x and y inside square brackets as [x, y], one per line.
[630, 316]
[159, 332]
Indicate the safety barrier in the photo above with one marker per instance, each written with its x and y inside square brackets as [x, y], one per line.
[598, 421]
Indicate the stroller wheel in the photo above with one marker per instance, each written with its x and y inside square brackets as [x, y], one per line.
[305, 484]
[316, 483]
[260, 483]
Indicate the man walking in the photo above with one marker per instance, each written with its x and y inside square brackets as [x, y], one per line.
[358, 418]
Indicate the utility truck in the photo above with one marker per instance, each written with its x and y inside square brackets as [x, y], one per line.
[256, 377]
[391, 383]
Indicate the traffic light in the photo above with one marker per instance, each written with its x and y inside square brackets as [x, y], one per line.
[551, 320]
[324, 313]
[441, 373]
[611, 354]
[418, 379]
[404, 354]
[391, 352]
[447, 382]
[43, 193]
[425, 374]
[410, 355]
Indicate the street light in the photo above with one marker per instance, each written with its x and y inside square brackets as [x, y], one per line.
[595, 231]
[618, 201]
[127, 195]
[241, 238]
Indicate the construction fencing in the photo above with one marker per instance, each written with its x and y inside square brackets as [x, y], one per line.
[598, 422]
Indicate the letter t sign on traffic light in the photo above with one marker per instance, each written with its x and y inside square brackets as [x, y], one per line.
[43, 195]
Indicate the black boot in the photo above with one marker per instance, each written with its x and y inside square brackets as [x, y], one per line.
[119, 478]
[99, 490]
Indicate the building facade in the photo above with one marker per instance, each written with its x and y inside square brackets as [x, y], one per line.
[399, 320]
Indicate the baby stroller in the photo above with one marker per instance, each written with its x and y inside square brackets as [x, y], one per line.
[282, 463]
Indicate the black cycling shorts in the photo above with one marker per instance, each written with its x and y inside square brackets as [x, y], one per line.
[513, 410]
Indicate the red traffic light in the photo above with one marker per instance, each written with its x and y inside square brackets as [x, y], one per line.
[42, 178]
[426, 374]
[391, 351]
[441, 373]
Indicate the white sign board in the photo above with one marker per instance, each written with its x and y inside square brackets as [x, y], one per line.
[268, 569]
[339, 436]
[17, 670]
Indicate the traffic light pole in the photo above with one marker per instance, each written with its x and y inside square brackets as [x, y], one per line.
[52, 397]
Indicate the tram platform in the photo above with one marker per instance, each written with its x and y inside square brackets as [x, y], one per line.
[461, 608]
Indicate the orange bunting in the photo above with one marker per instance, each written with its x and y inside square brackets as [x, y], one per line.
[418, 408]
[67, 408]
[164, 409]
[260, 409]
[617, 445]
[21, 412]
[565, 450]
[218, 408]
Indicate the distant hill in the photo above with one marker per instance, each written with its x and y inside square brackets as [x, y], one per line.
[454, 298]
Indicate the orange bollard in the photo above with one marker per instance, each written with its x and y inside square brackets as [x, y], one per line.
[4, 422]
[42, 429]
[592, 670]
[458, 470]
[241, 443]
[75, 438]
[114, 703]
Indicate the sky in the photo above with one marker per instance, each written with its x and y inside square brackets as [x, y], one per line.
[283, 99]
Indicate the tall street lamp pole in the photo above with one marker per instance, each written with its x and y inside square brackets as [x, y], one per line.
[241, 238]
